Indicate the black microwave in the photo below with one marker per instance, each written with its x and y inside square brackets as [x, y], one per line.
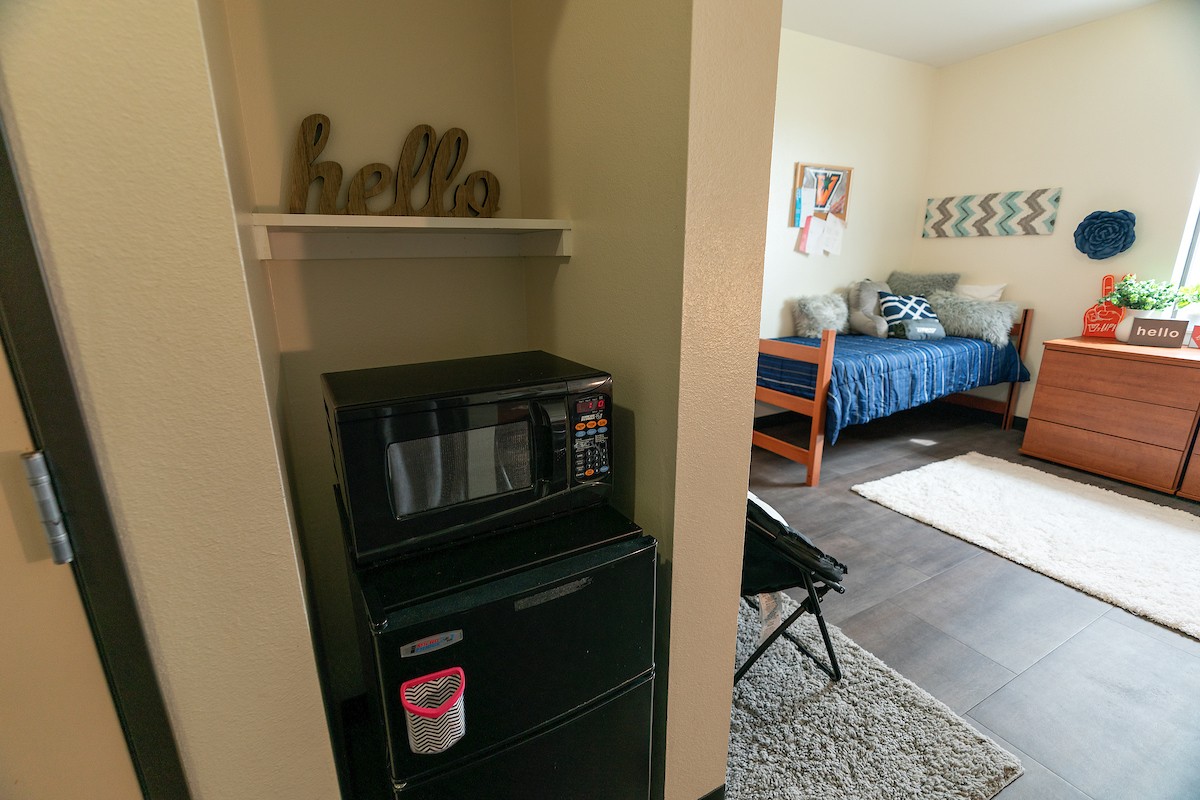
[428, 454]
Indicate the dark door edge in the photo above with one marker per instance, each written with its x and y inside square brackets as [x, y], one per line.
[51, 405]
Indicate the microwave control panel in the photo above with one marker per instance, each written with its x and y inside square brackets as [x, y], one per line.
[590, 432]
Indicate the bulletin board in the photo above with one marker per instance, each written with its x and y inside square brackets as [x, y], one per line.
[820, 190]
[820, 200]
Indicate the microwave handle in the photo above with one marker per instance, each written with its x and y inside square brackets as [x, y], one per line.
[550, 452]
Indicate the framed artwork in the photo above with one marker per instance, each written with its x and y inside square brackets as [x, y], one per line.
[1019, 213]
[819, 190]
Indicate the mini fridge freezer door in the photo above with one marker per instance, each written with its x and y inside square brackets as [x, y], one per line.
[534, 648]
[602, 753]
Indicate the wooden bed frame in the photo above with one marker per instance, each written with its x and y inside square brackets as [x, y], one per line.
[814, 409]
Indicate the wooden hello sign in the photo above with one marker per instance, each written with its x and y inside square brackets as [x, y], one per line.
[1158, 332]
[424, 158]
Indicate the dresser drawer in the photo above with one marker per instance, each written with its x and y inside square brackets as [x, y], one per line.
[1145, 381]
[1164, 426]
[1136, 462]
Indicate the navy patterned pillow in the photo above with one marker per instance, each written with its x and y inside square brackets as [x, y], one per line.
[897, 307]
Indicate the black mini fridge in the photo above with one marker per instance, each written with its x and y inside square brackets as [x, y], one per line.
[516, 667]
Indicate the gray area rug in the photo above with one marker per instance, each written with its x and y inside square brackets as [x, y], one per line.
[874, 735]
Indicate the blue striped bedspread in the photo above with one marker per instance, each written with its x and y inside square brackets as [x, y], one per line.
[874, 377]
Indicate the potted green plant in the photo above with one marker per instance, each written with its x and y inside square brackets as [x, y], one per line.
[1148, 298]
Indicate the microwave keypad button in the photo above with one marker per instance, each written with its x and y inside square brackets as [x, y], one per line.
[590, 422]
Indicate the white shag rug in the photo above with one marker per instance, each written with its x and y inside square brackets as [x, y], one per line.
[874, 735]
[1137, 555]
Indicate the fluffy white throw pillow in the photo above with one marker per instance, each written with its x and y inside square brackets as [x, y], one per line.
[978, 291]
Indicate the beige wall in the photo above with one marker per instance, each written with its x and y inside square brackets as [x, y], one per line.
[648, 125]
[231, 126]
[729, 134]
[623, 127]
[111, 118]
[377, 69]
[1108, 111]
[842, 105]
[602, 99]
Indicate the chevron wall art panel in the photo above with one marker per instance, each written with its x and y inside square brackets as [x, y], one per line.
[1022, 213]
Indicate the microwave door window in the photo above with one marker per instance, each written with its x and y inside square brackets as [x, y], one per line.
[423, 473]
[481, 473]
[513, 451]
[438, 471]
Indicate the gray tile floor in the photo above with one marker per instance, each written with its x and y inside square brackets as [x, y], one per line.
[1097, 703]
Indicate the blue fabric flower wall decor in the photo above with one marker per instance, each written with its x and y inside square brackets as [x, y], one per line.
[1103, 234]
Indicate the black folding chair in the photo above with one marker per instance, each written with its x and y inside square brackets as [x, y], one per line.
[778, 557]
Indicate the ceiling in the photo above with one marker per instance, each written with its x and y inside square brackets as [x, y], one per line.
[943, 32]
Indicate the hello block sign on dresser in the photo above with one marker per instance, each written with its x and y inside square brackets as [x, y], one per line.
[425, 162]
[1158, 332]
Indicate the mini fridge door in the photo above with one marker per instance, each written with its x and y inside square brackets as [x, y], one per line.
[601, 753]
[505, 661]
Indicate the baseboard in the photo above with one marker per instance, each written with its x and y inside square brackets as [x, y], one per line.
[770, 420]
[716, 794]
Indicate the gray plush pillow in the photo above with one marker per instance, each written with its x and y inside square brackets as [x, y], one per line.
[864, 308]
[816, 313]
[976, 319]
[924, 285]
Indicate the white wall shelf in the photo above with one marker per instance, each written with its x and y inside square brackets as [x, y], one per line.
[300, 237]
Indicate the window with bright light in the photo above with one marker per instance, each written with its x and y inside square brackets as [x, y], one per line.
[1187, 265]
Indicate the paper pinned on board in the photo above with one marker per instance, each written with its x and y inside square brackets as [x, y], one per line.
[811, 235]
[804, 201]
[808, 199]
[833, 232]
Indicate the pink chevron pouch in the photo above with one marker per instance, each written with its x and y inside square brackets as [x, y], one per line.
[433, 710]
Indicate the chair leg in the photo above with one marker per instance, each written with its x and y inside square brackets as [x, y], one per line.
[762, 648]
[832, 669]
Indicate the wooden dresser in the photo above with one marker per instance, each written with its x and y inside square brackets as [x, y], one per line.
[1124, 411]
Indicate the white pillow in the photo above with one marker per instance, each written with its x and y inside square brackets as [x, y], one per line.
[981, 292]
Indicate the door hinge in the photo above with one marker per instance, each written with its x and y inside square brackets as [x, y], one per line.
[38, 476]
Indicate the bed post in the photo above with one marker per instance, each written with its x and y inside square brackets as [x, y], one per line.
[816, 436]
[1014, 389]
[820, 356]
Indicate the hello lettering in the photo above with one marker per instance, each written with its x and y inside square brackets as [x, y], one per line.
[424, 160]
